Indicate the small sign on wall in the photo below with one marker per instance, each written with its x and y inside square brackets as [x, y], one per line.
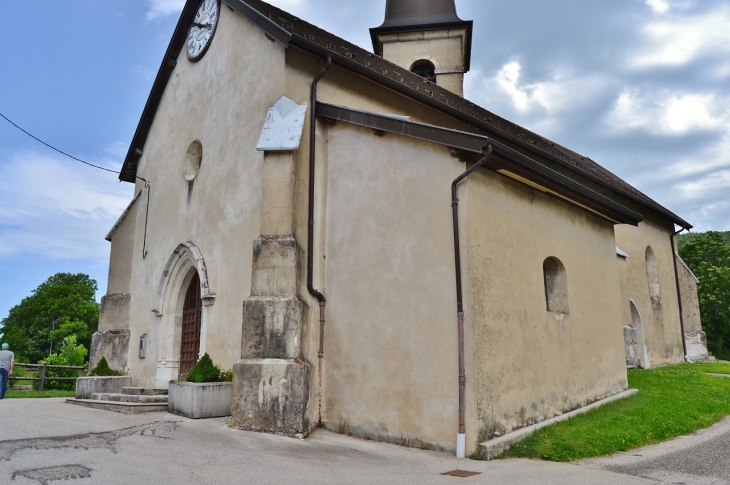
[142, 346]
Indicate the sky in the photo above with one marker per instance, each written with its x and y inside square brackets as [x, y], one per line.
[640, 86]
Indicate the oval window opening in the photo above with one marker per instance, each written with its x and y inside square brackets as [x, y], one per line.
[193, 158]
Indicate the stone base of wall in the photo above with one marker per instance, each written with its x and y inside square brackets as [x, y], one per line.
[696, 346]
[199, 400]
[271, 396]
[111, 344]
[86, 386]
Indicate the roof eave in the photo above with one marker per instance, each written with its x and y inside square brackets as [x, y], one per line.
[129, 169]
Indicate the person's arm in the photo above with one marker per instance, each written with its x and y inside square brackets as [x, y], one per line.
[12, 365]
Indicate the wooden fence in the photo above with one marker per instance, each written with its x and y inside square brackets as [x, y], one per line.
[43, 377]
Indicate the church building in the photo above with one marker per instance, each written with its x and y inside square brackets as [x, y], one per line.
[369, 251]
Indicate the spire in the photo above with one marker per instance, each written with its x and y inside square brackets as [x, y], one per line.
[412, 13]
[428, 38]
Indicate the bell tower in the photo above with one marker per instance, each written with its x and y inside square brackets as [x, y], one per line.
[427, 38]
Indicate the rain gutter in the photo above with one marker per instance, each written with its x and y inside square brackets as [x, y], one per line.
[679, 292]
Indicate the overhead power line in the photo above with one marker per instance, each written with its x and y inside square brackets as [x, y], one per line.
[54, 148]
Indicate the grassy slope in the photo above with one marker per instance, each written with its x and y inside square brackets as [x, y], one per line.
[672, 401]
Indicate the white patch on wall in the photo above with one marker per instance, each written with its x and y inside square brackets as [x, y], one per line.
[283, 127]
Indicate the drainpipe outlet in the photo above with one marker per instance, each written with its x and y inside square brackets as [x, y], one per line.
[461, 446]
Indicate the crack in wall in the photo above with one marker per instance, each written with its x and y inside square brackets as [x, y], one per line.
[86, 441]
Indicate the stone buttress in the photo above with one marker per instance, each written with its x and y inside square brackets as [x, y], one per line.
[271, 383]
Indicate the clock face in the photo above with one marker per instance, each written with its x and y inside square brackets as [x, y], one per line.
[202, 28]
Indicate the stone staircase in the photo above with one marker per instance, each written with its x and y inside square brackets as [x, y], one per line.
[132, 400]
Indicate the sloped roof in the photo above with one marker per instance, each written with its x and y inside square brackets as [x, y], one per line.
[291, 30]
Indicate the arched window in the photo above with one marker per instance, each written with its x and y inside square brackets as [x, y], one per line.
[556, 286]
[652, 274]
[425, 69]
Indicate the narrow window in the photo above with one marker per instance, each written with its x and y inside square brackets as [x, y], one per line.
[425, 69]
[652, 274]
[556, 286]
[143, 346]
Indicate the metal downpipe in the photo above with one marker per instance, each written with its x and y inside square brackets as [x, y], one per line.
[679, 293]
[461, 436]
[310, 232]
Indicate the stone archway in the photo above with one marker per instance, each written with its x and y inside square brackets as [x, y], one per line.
[184, 265]
[637, 354]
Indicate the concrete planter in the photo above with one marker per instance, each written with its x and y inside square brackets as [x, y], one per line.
[199, 401]
[86, 386]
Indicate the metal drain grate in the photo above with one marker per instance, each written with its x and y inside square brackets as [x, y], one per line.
[461, 474]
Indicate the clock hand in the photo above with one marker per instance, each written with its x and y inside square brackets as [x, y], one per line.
[201, 26]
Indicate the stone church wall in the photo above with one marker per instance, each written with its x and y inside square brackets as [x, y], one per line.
[651, 288]
[531, 364]
[220, 101]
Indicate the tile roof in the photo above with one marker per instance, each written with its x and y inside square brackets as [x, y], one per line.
[467, 110]
[315, 39]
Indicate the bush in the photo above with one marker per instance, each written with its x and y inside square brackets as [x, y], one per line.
[102, 369]
[204, 371]
[70, 354]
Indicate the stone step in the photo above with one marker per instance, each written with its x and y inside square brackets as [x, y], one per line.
[145, 391]
[120, 407]
[130, 398]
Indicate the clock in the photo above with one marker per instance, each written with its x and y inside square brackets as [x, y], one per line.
[202, 28]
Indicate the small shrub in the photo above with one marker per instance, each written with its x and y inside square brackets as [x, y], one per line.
[226, 376]
[476, 456]
[204, 371]
[103, 369]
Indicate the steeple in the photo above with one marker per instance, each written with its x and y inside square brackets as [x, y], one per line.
[402, 13]
[428, 38]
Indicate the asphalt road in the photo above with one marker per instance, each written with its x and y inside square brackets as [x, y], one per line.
[699, 459]
[45, 440]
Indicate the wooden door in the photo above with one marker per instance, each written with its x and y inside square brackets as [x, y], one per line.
[190, 339]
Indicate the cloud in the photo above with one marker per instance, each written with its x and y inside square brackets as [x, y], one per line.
[715, 182]
[658, 6]
[669, 114]
[561, 92]
[118, 149]
[57, 209]
[162, 8]
[681, 39]
[287, 4]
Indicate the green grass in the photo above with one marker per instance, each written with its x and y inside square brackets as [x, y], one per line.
[10, 394]
[672, 401]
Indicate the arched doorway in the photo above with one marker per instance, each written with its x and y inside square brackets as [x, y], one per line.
[637, 354]
[191, 325]
[183, 296]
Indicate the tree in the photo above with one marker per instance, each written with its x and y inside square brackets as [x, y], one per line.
[708, 255]
[68, 354]
[64, 305]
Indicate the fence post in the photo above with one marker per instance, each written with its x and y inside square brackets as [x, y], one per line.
[43, 378]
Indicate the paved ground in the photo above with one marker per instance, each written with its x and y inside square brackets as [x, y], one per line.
[45, 440]
[699, 459]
